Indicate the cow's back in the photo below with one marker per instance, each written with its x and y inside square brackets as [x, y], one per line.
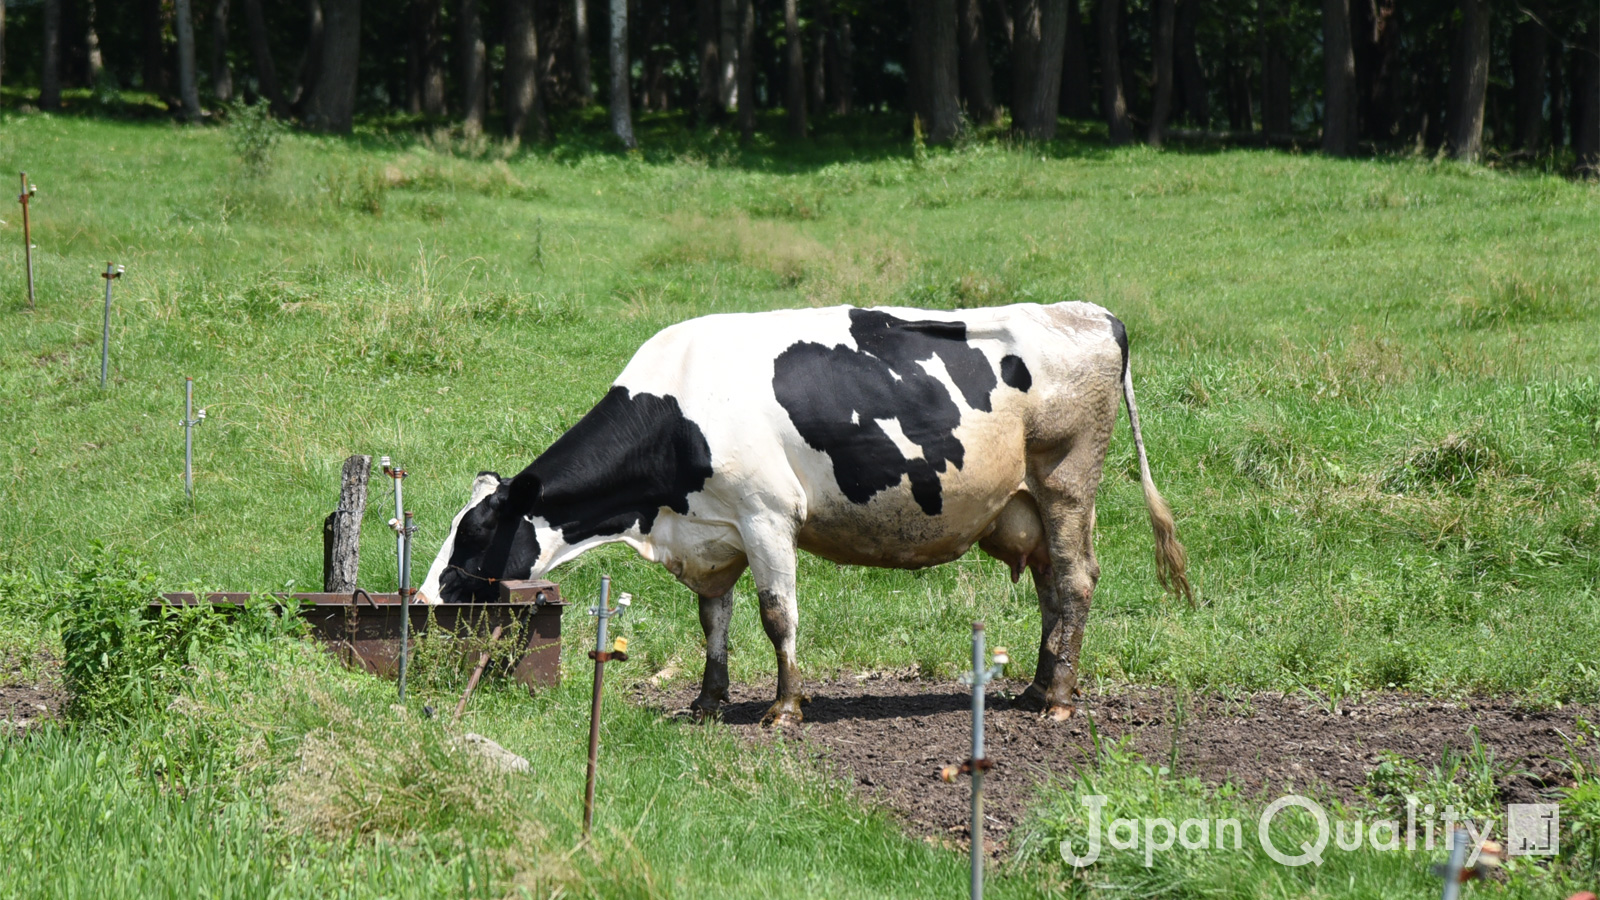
[889, 436]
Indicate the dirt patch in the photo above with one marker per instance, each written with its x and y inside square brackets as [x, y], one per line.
[891, 736]
[22, 706]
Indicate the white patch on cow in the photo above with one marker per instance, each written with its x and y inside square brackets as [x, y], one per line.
[482, 487]
[934, 366]
[892, 428]
[896, 375]
[855, 417]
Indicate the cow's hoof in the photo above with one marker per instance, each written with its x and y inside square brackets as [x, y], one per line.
[1035, 700]
[1031, 699]
[1058, 712]
[704, 713]
[782, 716]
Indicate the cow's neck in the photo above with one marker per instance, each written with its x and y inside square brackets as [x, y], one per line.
[555, 548]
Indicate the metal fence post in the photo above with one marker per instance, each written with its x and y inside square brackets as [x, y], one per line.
[190, 420]
[977, 764]
[110, 274]
[28, 191]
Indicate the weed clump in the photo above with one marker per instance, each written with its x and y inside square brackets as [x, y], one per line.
[1516, 300]
[1454, 464]
[396, 778]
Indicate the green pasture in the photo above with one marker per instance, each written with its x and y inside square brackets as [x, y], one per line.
[1370, 390]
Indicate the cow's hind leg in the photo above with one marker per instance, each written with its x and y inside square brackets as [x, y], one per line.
[715, 615]
[1066, 584]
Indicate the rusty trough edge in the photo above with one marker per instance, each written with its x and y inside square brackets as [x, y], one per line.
[365, 633]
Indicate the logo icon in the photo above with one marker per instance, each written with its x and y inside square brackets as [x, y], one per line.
[1533, 829]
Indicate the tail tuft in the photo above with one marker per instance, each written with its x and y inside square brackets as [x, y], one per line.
[1171, 560]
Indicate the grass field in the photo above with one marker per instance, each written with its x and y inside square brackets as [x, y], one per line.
[1369, 389]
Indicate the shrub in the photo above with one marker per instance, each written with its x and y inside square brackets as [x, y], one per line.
[122, 659]
[254, 134]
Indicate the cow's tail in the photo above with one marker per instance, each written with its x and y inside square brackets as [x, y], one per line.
[1171, 560]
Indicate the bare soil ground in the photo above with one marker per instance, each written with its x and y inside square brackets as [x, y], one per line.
[24, 701]
[891, 736]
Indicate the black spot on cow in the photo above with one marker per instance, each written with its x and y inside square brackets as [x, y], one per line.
[1121, 334]
[626, 459]
[1014, 371]
[836, 396]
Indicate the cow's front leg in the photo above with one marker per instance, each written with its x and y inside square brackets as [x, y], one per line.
[715, 614]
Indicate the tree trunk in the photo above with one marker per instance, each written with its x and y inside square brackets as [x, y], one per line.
[1469, 82]
[523, 102]
[310, 59]
[1039, 39]
[188, 87]
[1004, 21]
[261, 57]
[819, 59]
[977, 77]
[332, 104]
[653, 84]
[732, 23]
[341, 530]
[794, 82]
[746, 88]
[1558, 97]
[1113, 103]
[91, 41]
[1276, 101]
[1186, 58]
[424, 61]
[50, 67]
[934, 72]
[1338, 80]
[1530, 48]
[841, 64]
[2, 41]
[153, 17]
[1586, 106]
[471, 57]
[221, 74]
[1077, 96]
[708, 23]
[1161, 49]
[620, 100]
[580, 52]
[1377, 44]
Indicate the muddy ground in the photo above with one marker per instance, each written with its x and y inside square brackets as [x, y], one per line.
[25, 701]
[892, 735]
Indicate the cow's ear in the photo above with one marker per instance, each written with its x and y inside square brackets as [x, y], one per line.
[524, 490]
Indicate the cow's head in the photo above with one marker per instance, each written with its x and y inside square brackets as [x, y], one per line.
[490, 540]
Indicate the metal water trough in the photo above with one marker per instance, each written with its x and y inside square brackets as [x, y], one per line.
[363, 629]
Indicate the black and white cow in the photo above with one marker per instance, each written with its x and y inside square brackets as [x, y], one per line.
[880, 437]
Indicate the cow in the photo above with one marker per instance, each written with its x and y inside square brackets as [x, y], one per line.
[884, 437]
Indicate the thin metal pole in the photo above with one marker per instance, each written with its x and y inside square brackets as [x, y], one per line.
[111, 273]
[405, 596]
[190, 420]
[404, 527]
[978, 683]
[27, 234]
[603, 612]
[188, 436]
[976, 765]
[1457, 862]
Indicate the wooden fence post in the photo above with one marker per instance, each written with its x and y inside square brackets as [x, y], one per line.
[341, 530]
